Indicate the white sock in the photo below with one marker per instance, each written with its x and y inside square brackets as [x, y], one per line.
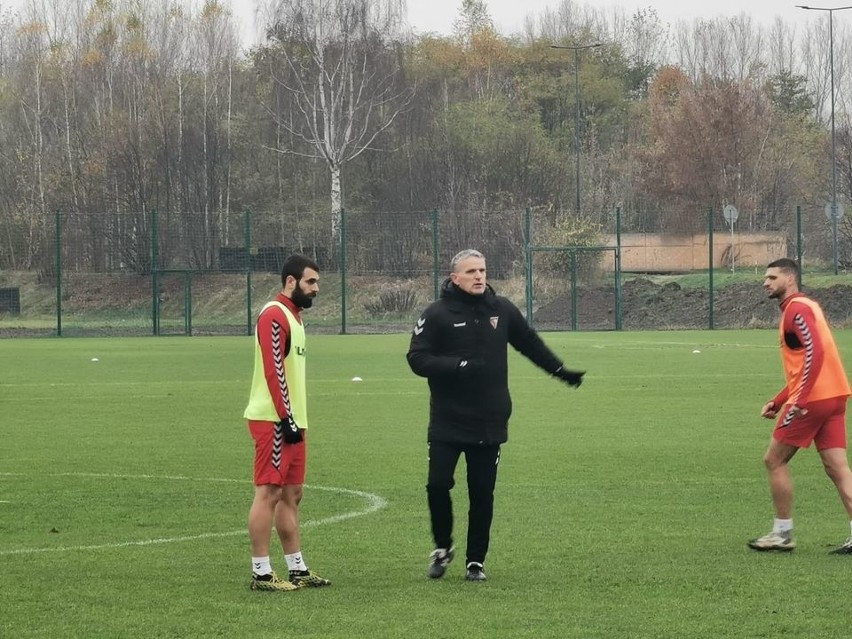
[850, 527]
[782, 525]
[261, 565]
[295, 561]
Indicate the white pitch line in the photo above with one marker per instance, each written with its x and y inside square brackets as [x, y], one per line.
[374, 504]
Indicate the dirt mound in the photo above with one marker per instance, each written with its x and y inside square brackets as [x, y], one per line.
[647, 305]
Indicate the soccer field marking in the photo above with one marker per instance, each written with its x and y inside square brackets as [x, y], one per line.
[374, 504]
[641, 346]
[126, 382]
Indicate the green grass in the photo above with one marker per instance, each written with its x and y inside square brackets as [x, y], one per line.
[622, 508]
[812, 279]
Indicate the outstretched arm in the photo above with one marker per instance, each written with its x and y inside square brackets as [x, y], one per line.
[528, 342]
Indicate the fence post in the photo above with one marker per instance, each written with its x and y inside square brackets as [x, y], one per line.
[58, 258]
[618, 308]
[187, 303]
[799, 249]
[247, 251]
[155, 276]
[710, 263]
[573, 254]
[528, 292]
[342, 271]
[436, 257]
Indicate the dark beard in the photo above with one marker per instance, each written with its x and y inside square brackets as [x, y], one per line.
[300, 299]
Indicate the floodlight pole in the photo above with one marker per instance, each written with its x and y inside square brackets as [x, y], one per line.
[834, 209]
[576, 50]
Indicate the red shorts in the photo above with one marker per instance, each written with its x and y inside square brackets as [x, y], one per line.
[281, 464]
[824, 424]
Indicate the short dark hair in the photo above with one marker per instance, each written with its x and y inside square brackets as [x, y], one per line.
[295, 265]
[786, 264]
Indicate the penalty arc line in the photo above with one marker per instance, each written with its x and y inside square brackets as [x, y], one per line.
[374, 504]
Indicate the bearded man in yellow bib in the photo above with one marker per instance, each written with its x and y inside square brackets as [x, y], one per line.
[278, 420]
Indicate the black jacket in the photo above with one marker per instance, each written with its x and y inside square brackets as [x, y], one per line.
[471, 404]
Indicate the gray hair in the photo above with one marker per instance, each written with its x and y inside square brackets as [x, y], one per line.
[463, 255]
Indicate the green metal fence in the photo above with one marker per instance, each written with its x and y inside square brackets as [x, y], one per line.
[196, 273]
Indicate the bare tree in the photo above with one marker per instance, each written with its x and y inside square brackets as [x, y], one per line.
[646, 40]
[333, 60]
[747, 48]
[723, 48]
[781, 46]
[34, 48]
[568, 21]
[473, 17]
[218, 44]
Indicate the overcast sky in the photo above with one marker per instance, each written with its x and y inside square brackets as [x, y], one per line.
[508, 15]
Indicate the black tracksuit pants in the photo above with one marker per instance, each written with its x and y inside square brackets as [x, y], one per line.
[481, 464]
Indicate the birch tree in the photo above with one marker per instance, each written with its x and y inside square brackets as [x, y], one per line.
[335, 62]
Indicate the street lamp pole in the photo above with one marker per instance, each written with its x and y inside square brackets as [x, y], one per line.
[834, 209]
[576, 50]
[577, 124]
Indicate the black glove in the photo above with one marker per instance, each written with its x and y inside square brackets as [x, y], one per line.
[572, 378]
[470, 367]
[292, 434]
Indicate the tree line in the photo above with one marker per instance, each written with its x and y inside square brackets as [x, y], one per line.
[124, 107]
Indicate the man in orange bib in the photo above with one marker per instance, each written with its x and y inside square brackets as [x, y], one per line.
[810, 408]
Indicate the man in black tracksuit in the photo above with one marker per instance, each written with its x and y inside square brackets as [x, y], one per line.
[460, 344]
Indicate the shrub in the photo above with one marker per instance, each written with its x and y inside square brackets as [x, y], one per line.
[399, 300]
[572, 232]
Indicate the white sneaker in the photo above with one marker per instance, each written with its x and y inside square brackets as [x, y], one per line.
[779, 541]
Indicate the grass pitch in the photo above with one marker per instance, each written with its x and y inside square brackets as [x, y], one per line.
[622, 508]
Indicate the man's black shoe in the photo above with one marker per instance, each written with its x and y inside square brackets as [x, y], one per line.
[439, 560]
[475, 572]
